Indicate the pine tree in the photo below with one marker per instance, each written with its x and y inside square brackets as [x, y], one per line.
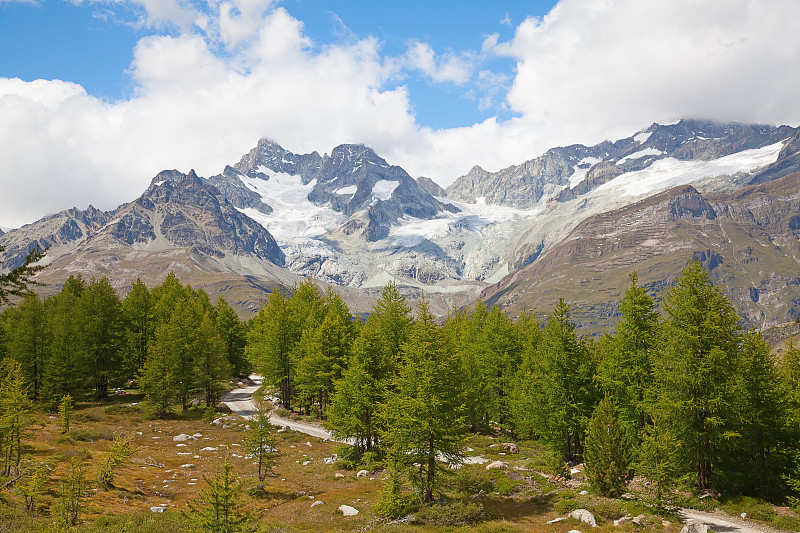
[607, 451]
[212, 366]
[72, 487]
[14, 404]
[156, 378]
[391, 316]
[697, 367]
[137, 307]
[424, 415]
[28, 341]
[15, 283]
[65, 412]
[121, 450]
[659, 454]
[234, 334]
[103, 332]
[627, 372]
[354, 409]
[270, 342]
[261, 444]
[219, 509]
[62, 370]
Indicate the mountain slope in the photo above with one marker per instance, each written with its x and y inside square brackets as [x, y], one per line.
[749, 239]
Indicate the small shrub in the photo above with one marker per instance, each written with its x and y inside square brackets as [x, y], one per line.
[85, 435]
[450, 514]
[504, 485]
[755, 508]
[282, 412]
[471, 481]
[87, 417]
[789, 523]
[124, 409]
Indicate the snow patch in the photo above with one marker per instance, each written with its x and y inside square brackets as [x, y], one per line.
[640, 154]
[499, 274]
[670, 172]
[384, 188]
[579, 174]
[642, 137]
[350, 189]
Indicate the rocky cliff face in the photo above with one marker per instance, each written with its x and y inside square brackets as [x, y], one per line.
[567, 173]
[748, 239]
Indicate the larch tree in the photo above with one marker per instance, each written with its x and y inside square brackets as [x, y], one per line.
[424, 416]
[103, 327]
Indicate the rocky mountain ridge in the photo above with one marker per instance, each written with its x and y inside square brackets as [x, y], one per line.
[353, 220]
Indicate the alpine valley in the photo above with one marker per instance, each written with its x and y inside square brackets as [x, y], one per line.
[573, 222]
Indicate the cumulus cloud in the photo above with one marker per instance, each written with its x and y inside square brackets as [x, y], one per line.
[588, 70]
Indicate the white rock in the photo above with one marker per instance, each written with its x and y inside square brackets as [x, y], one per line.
[584, 516]
[556, 520]
[306, 463]
[180, 444]
[318, 502]
[182, 437]
[347, 510]
[338, 475]
[573, 531]
[157, 509]
[208, 449]
[743, 515]
[693, 526]
[363, 473]
[583, 492]
[496, 464]
[187, 465]
[330, 460]
[197, 435]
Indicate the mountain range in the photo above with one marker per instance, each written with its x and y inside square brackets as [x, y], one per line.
[572, 222]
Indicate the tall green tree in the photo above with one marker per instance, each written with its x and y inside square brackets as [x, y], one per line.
[261, 444]
[212, 368]
[354, 411]
[697, 368]
[137, 307]
[391, 316]
[156, 378]
[219, 508]
[627, 371]
[14, 405]
[103, 327]
[270, 342]
[425, 416]
[555, 398]
[28, 341]
[62, 371]
[234, 334]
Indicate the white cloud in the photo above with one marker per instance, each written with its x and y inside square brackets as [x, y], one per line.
[447, 67]
[586, 71]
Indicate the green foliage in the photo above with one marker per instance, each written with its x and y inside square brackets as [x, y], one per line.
[659, 456]
[137, 308]
[219, 507]
[14, 405]
[697, 369]
[102, 334]
[71, 491]
[608, 453]
[15, 283]
[65, 412]
[261, 445]
[32, 483]
[451, 514]
[234, 334]
[121, 450]
[85, 435]
[471, 481]
[424, 415]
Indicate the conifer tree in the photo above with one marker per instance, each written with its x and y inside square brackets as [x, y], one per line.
[28, 341]
[424, 415]
[269, 345]
[137, 307]
[62, 370]
[697, 368]
[14, 404]
[103, 332]
[65, 412]
[355, 406]
[212, 366]
[391, 316]
[261, 444]
[15, 283]
[659, 454]
[607, 451]
[219, 508]
[71, 492]
[156, 378]
[121, 450]
[234, 334]
[627, 371]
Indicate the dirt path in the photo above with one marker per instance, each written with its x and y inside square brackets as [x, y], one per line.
[240, 402]
[724, 523]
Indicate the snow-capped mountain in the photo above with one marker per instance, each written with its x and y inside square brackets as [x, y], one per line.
[351, 219]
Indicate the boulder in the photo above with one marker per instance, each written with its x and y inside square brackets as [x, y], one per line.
[330, 460]
[157, 509]
[347, 510]
[316, 503]
[338, 475]
[496, 464]
[363, 473]
[584, 516]
[693, 526]
[183, 437]
[510, 447]
[573, 531]
[622, 520]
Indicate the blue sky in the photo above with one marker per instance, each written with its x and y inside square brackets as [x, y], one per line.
[92, 43]
[98, 96]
